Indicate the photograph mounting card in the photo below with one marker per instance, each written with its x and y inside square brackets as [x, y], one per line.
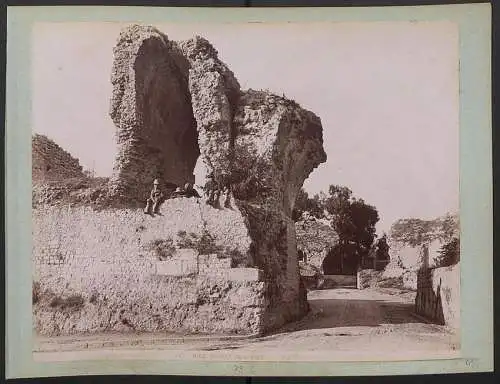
[215, 192]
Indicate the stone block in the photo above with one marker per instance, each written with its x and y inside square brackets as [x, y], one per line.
[176, 267]
[236, 274]
[211, 262]
[186, 254]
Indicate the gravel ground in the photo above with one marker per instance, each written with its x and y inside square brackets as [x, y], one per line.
[344, 324]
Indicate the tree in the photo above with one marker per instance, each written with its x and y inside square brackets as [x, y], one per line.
[303, 203]
[354, 221]
[449, 227]
[382, 252]
[416, 232]
[412, 231]
[449, 254]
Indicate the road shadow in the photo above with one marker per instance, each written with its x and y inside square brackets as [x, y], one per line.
[333, 313]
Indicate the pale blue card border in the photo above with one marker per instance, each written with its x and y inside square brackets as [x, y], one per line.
[474, 23]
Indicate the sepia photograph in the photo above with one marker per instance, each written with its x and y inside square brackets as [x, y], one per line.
[238, 188]
[248, 193]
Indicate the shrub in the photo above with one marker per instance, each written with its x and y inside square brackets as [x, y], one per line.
[238, 259]
[186, 240]
[71, 303]
[204, 244]
[449, 254]
[163, 248]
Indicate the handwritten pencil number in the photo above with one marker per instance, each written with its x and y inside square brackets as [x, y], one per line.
[238, 368]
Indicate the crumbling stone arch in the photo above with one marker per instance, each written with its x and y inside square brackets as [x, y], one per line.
[175, 102]
[151, 108]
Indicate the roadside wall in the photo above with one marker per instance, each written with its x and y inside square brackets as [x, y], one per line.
[96, 271]
[365, 277]
[331, 281]
[438, 295]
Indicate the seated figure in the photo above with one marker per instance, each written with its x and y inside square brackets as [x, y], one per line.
[155, 199]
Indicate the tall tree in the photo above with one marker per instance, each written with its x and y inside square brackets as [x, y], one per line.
[354, 221]
[303, 203]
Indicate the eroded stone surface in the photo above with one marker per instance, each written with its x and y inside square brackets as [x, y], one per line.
[98, 271]
[50, 162]
[171, 102]
[277, 146]
[438, 295]
[214, 95]
[151, 108]
[315, 239]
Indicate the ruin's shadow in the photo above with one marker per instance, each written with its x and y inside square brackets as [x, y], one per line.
[429, 302]
[331, 313]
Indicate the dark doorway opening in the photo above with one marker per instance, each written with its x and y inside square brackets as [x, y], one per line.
[341, 260]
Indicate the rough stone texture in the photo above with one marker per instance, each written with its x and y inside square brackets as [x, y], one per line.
[171, 102]
[214, 95]
[392, 277]
[77, 191]
[310, 275]
[438, 295]
[277, 146]
[315, 239]
[52, 163]
[412, 255]
[156, 304]
[151, 108]
[410, 279]
[104, 258]
[364, 278]
[414, 258]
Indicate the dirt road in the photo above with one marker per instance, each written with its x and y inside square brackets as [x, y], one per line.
[344, 324]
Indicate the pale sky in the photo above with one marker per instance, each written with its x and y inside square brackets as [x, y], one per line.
[386, 93]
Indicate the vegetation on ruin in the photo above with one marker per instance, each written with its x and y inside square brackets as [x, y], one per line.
[206, 245]
[449, 254]
[415, 232]
[164, 249]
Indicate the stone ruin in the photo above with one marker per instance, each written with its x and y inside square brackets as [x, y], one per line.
[179, 111]
[176, 101]
[50, 162]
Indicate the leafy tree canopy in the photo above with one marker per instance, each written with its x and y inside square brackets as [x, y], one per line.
[352, 219]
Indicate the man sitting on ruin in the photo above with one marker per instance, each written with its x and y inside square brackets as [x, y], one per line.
[212, 190]
[155, 199]
[216, 187]
[187, 191]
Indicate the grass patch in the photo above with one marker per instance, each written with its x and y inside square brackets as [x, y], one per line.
[164, 249]
[206, 245]
[70, 303]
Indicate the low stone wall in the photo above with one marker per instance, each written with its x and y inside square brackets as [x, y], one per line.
[410, 280]
[97, 272]
[364, 278]
[332, 281]
[438, 295]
